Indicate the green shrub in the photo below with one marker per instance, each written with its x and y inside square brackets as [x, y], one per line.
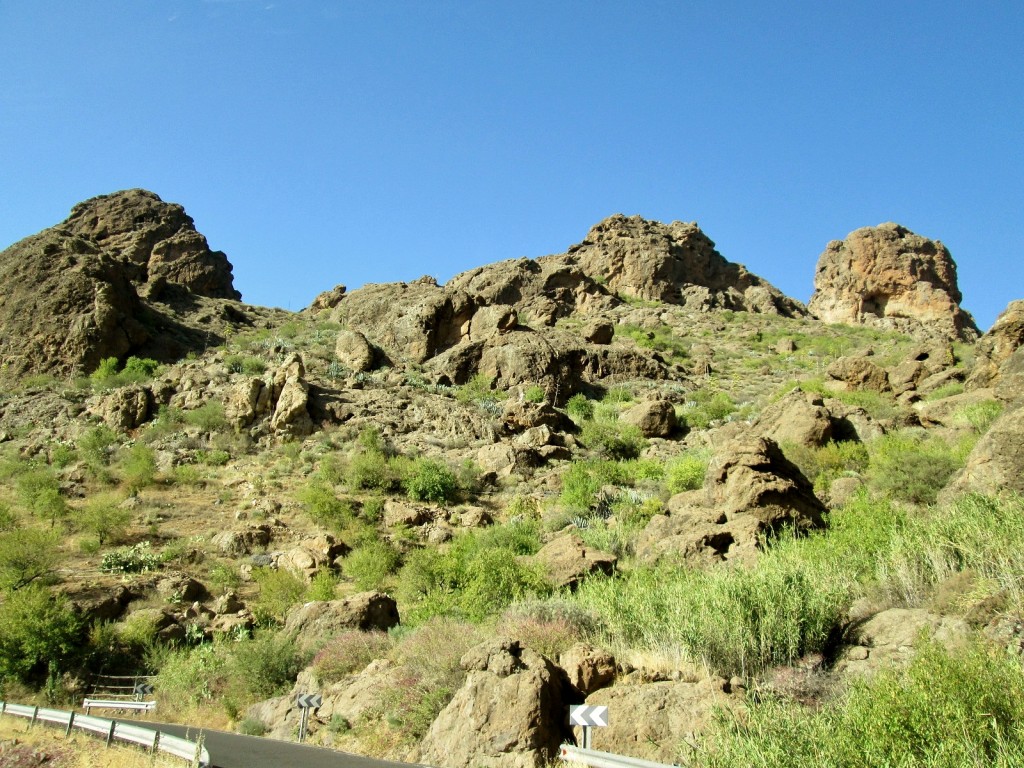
[911, 467]
[686, 472]
[324, 507]
[264, 666]
[323, 587]
[142, 368]
[190, 676]
[945, 710]
[39, 633]
[27, 554]
[138, 467]
[279, 591]
[737, 621]
[370, 563]
[96, 447]
[613, 439]
[535, 394]
[978, 416]
[105, 519]
[38, 491]
[579, 408]
[106, 370]
[431, 480]
[208, 417]
[250, 726]
[9, 520]
[370, 469]
[225, 577]
[706, 408]
[247, 364]
[479, 391]
[214, 458]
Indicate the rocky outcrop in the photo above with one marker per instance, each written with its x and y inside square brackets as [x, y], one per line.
[509, 713]
[654, 418]
[799, 418]
[155, 242]
[996, 464]
[890, 637]
[889, 277]
[993, 349]
[675, 263]
[125, 274]
[751, 491]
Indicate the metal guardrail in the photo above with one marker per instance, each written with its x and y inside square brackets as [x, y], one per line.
[152, 740]
[597, 759]
[143, 706]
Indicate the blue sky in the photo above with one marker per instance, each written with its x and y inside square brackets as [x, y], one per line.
[330, 142]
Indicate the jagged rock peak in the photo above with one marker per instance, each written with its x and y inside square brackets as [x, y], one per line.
[156, 241]
[889, 277]
[676, 263]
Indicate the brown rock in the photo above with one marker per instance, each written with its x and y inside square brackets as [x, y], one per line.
[354, 351]
[995, 347]
[996, 464]
[675, 263]
[404, 513]
[891, 636]
[652, 721]
[858, 372]
[588, 668]
[509, 713]
[599, 332]
[888, 277]
[799, 417]
[654, 418]
[125, 408]
[319, 619]
[568, 561]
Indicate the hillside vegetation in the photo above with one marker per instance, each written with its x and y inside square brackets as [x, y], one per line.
[757, 537]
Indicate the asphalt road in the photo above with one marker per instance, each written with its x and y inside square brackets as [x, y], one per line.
[232, 750]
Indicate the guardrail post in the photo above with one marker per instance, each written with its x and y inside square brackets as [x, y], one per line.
[156, 742]
[110, 733]
[35, 714]
[71, 723]
[3, 707]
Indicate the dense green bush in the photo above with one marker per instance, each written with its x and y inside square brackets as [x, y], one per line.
[579, 408]
[103, 518]
[324, 507]
[209, 417]
[38, 491]
[39, 634]
[138, 558]
[946, 710]
[737, 621]
[686, 472]
[138, 467]
[912, 467]
[613, 439]
[263, 666]
[279, 591]
[430, 480]
[26, 555]
[707, 407]
[370, 563]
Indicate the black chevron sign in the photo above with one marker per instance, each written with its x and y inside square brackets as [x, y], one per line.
[309, 701]
[143, 689]
[582, 714]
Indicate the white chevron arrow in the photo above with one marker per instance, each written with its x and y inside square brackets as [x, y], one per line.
[309, 701]
[582, 714]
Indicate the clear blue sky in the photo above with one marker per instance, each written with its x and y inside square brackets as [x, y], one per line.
[319, 143]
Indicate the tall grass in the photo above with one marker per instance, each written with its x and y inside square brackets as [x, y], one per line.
[946, 710]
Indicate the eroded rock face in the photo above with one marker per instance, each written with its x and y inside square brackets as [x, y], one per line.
[509, 713]
[889, 277]
[125, 274]
[994, 348]
[750, 491]
[675, 263]
[156, 242]
[996, 464]
[320, 619]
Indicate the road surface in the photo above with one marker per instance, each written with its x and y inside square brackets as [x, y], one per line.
[232, 750]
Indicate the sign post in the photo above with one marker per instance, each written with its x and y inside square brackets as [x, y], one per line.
[588, 716]
[306, 702]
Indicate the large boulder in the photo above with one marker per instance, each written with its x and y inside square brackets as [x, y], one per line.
[652, 721]
[321, 619]
[509, 713]
[567, 560]
[890, 637]
[799, 417]
[675, 263]
[889, 277]
[654, 418]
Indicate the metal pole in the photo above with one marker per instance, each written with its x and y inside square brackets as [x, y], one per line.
[586, 737]
[71, 724]
[110, 733]
[302, 725]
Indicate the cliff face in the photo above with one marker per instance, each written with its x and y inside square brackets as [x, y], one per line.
[889, 277]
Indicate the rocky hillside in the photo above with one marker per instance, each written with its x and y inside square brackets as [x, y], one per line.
[632, 474]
